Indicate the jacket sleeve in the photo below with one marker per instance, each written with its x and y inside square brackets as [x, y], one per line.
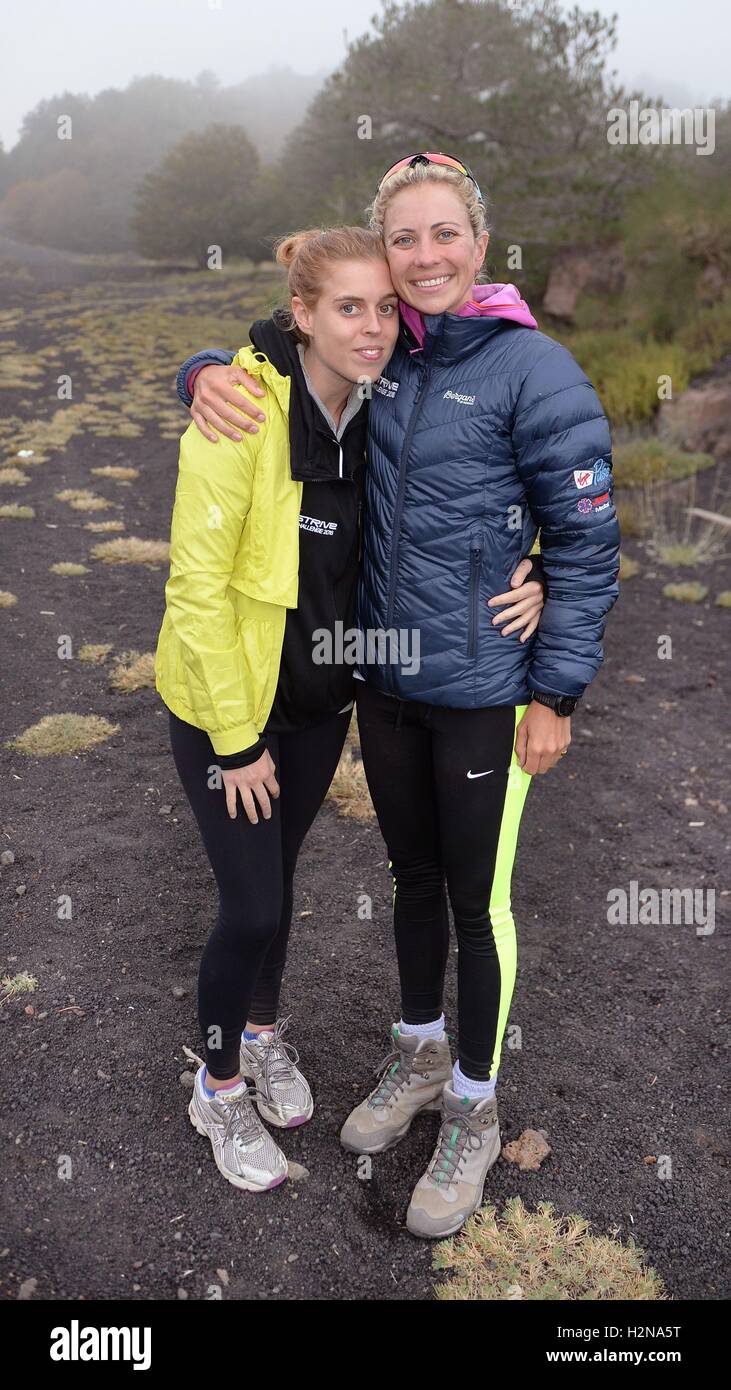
[207, 358]
[562, 444]
[212, 499]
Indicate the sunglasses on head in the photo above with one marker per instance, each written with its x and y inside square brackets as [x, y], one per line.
[429, 158]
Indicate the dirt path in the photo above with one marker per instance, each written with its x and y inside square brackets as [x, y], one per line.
[622, 1049]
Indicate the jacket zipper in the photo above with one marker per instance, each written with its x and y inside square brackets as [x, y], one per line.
[475, 565]
[418, 401]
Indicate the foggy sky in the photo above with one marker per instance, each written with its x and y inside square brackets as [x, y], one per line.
[48, 46]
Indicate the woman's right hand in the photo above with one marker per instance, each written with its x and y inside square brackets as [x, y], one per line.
[215, 402]
[256, 780]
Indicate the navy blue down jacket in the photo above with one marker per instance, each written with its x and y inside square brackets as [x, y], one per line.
[488, 433]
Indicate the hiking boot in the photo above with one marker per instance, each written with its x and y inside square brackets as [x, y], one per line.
[244, 1151]
[283, 1096]
[452, 1186]
[412, 1078]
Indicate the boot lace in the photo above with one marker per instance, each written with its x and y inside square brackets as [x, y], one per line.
[457, 1135]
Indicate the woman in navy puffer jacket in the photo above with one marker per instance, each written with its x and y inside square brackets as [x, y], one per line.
[482, 431]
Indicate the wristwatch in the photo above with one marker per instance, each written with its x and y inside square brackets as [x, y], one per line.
[562, 705]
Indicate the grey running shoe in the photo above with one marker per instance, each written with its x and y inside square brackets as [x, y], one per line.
[244, 1151]
[283, 1096]
[413, 1076]
[452, 1186]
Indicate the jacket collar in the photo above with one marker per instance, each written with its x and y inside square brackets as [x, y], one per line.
[450, 337]
[315, 453]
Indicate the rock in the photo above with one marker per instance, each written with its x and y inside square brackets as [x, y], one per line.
[187, 1080]
[699, 420]
[182, 1293]
[528, 1150]
[575, 271]
[179, 992]
[27, 1289]
[7, 857]
[21, 889]
[297, 1172]
[165, 810]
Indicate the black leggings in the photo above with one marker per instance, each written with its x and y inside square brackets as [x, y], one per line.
[449, 793]
[244, 956]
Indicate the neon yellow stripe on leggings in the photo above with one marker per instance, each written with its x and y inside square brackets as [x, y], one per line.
[501, 916]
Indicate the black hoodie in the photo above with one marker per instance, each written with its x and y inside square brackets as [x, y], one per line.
[331, 473]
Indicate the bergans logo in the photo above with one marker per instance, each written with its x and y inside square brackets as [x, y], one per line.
[455, 396]
[386, 388]
[320, 528]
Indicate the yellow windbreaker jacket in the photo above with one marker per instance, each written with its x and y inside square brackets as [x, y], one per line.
[234, 561]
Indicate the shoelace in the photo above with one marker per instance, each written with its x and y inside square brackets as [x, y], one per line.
[391, 1081]
[456, 1131]
[241, 1117]
[277, 1058]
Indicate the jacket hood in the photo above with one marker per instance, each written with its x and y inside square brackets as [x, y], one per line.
[486, 301]
[314, 452]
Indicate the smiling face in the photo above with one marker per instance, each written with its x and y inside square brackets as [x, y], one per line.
[353, 326]
[432, 251]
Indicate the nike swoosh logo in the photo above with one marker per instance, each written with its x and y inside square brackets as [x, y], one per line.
[481, 774]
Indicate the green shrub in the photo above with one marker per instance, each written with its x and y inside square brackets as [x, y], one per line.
[625, 369]
[706, 338]
[645, 461]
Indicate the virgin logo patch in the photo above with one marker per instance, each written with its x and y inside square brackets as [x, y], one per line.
[583, 477]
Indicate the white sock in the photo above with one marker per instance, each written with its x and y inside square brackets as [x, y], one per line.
[476, 1090]
[423, 1030]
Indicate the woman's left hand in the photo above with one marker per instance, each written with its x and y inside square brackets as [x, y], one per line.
[526, 602]
[542, 738]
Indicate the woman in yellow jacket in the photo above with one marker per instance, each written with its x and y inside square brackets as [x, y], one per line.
[265, 545]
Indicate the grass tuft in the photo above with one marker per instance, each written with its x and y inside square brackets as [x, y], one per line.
[16, 512]
[135, 671]
[68, 567]
[111, 471]
[131, 550]
[691, 592]
[349, 789]
[532, 1256]
[628, 567]
[95, 652]
[63, 733]
[13, 985]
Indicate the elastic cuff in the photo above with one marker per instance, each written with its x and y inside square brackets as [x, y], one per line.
[536, 572]
[228, 761]
[208, 358]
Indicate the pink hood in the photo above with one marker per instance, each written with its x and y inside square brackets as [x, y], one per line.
[494, 301]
